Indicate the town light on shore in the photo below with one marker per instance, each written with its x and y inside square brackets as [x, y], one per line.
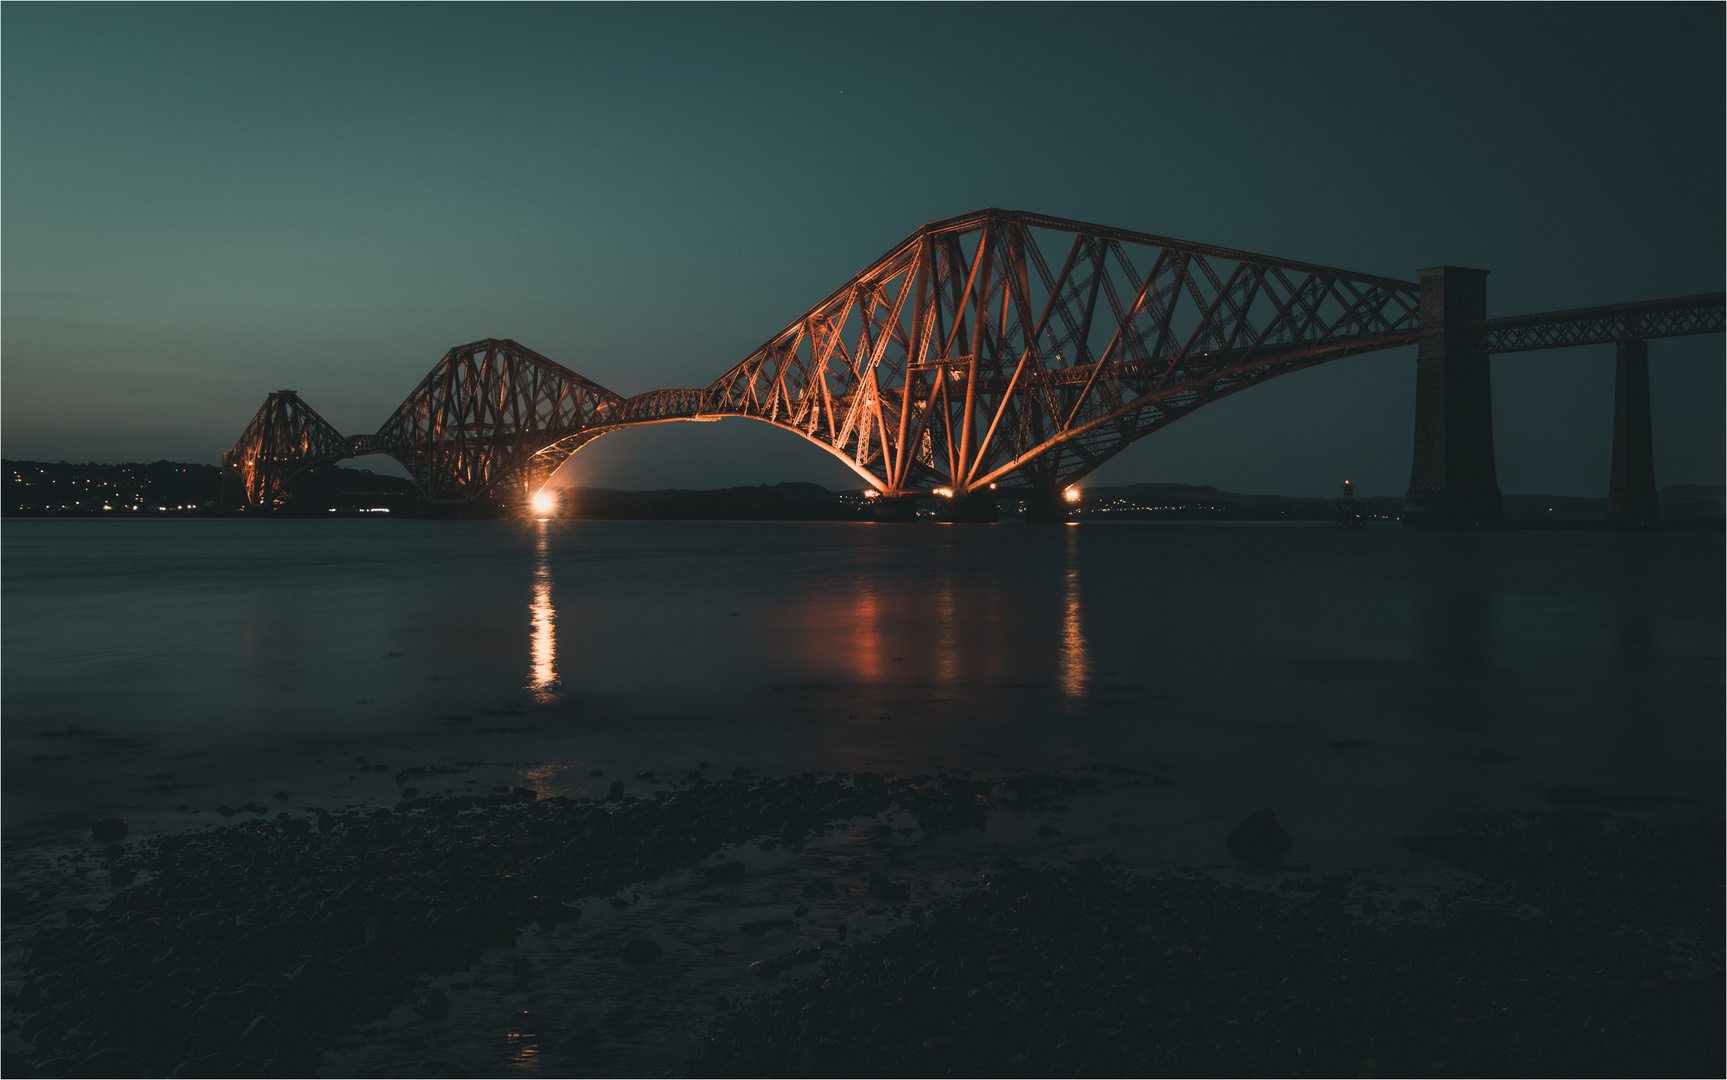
[544, 502]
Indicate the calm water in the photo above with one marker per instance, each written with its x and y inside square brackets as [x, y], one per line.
[156, 670]
[150, 665]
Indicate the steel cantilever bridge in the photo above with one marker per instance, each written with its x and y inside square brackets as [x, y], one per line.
[997, 353]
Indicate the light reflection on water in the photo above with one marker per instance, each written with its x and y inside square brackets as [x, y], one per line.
[1075, 667]
[545, 646]
[197, 661]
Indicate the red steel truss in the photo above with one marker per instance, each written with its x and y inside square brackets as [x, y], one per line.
[999, 349]
[1014, 349]
[493, 420]
[286, 438]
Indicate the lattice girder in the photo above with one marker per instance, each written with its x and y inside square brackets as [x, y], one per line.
[486, 419]
[285, 438]
[960, 360]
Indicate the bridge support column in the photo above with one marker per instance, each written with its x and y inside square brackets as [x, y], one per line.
[1631, 496]
[975, 508]
[901, 508]
[1452, 480]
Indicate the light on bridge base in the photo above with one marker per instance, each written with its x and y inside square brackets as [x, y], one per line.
[1071, 494]
[544, 503]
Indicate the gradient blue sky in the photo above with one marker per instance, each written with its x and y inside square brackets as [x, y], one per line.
[205, 203]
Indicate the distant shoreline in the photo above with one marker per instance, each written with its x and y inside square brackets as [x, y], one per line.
[181, 489]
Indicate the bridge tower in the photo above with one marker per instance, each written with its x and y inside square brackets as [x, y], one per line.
[1631, 488]
[1452, 480]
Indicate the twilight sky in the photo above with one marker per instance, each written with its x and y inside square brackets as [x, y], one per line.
[206, 203]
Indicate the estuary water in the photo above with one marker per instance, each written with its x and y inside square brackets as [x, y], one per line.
[1365, 684]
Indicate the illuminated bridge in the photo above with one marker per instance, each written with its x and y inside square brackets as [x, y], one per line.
[1008, 353]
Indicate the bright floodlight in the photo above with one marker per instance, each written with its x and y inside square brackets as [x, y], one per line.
[544, 502]
[1072, 495]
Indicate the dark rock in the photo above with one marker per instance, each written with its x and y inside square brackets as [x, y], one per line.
[762, 926]
[474, 926]
[226, 811]
[740, 772]
[1259, 839]
[726, 872]
[1487, 755]
[114, 851]
[615, 792]
[641, 950]
[880, 885]
[110, 830]
[14, 903]
[646, 774]
[281, 794]
[325, 821]
[431, 1004]
[552, 914]
[1047, 832]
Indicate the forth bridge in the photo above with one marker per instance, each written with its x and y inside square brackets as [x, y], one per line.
[1004, 353]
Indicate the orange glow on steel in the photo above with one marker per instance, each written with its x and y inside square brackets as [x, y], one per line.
[544, 503]
[1071, 495]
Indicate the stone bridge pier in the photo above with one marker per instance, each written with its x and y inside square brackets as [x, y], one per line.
[1453, 482]
[1452, 479]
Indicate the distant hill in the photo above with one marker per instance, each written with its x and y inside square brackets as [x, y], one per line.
[61, 488]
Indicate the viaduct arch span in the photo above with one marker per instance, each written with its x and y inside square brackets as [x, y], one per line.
[1004, 352]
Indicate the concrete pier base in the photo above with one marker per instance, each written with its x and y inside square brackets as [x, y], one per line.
[1631, 496]
[1452, 481]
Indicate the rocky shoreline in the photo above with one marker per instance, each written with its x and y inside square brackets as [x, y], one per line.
[1586, 942]
[1583, 951]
